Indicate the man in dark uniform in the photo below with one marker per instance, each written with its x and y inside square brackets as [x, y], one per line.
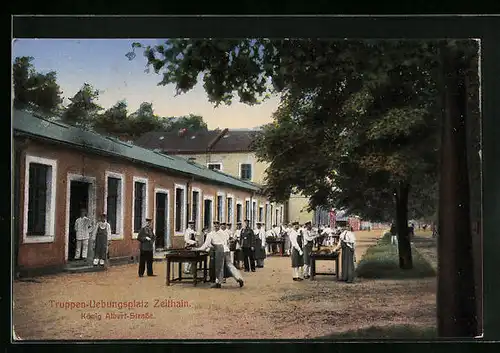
[147, 238]
[247, 241]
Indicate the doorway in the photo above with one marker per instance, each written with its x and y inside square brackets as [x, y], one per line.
[207, 213]
[79, 198]
[161, 220]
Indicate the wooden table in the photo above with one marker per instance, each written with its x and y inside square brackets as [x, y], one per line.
[277, 241]
[182, 256]
[325, 257]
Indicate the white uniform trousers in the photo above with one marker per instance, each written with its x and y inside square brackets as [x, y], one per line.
[394, 240]
[82, 247]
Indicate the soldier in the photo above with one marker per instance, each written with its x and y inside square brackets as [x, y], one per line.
[218, 240]
[260, 245]
[309, 235]
[147, 238]
[238, 254]
[83, 227]
[297, 253]
[189, 242]
[247, 241]
[348, 245]
[101, 237]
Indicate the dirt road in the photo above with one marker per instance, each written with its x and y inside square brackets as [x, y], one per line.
[270, 305]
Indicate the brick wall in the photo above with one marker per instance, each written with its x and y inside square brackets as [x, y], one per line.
[72, 161]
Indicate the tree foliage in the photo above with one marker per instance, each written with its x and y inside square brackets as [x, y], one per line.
[83, 109]
[35, 90]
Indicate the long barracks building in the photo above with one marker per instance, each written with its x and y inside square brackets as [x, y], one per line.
[58, 169]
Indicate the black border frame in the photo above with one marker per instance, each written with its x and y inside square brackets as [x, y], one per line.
[485, 28]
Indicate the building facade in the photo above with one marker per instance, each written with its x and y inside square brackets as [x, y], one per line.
[229, 152]
[58, 170]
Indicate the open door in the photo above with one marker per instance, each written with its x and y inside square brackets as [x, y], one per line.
[161, 221]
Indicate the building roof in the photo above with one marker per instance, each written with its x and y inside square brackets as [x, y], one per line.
[25, 123]
[213, 141]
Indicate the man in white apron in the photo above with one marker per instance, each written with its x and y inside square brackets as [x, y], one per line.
[83, 228]
[238, 254]
[260, 245]
[189, 242]
[309, 236]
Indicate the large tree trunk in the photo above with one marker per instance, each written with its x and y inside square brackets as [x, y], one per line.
[404, 245]
[456, 295]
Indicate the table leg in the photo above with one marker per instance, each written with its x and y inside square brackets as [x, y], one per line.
[194, 265]
[282, 248]
[168, 272]
[313, 268]
[205, 269]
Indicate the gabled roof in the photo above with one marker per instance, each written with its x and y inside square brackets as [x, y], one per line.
[223, 141]
[25, 123]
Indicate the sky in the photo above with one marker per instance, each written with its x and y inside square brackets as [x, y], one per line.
[103, 64]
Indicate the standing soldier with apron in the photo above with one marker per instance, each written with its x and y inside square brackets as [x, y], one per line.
[147, 239]
[83, 227]
[297, 253]
[102, 237]
[260, 245]
[347, 243]
[309, 236]
[247, 241]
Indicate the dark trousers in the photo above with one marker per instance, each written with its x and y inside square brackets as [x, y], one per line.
[248, 259]
[146, 257]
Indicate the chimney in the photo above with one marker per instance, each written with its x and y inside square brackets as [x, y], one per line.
[217, 138]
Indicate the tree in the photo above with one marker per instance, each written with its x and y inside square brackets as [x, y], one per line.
[35, 90]
[393, 92]
[143, 120]
[191, 122]
[375, 103]
[83, 109]
[114, 120]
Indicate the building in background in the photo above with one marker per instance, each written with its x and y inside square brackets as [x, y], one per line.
[228, 151]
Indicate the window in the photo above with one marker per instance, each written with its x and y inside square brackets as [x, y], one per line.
[180, 221]
[229, 209]
[277, 215]
[239, 213]
[281, 214]
[247, 209]
[246, 171]
[271, 216]
[112, 203]
[39, 202]
[215, 166]
[113, 206]
[261, 214]
[220, 208]
[195, 214]
[140, 203]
